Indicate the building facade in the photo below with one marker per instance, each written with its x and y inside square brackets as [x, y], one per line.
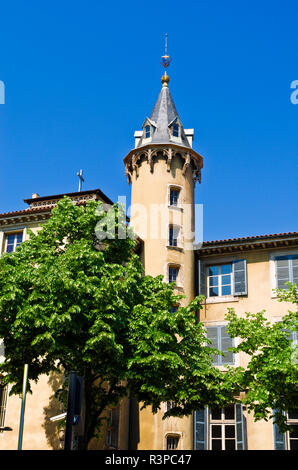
[163, 169]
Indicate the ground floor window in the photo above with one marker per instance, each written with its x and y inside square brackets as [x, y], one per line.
[288, 440]
[219, 428]
[3, 402]
[172, 442]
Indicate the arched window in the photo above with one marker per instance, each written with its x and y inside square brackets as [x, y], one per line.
[147, 132]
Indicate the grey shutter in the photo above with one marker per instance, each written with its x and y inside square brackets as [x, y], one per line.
[295, 270]
[213, 334]
[282, 266]
[279, 437]
[240, 278]
[225, 343]
[201, 278]
[239, 426]
[200, 429]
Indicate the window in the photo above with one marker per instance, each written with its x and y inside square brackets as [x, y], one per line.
[221, 340]
[12, 241]
[222, 280]
[173, 235]
[223, 429]
[170, 404]
[113, 428]
[174, 309]
[219, 428]
[219, 279]
[173, 274]
[172, 442]
[175, 130]
[286, 269]
[288, 440]
[174, 197]
[147, 132]
[3, 401]
[293, 435]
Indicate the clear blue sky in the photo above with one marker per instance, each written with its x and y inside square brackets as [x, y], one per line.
[80, 77]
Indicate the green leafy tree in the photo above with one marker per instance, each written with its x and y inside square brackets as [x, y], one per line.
[271, 377]
[71, 301]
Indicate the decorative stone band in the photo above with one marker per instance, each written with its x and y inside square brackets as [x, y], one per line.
[151, 154]
[53, 202]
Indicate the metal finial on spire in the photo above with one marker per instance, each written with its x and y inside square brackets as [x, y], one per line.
[81, 179]
[166, 60]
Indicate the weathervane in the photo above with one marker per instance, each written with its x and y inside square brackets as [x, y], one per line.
[81, 179]
[166, 60]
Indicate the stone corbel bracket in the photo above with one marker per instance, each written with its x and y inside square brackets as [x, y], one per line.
[192, 160]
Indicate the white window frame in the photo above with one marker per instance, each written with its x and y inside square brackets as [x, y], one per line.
[221, 297]
[11, 231]
[272, 268]
[287, 436]
[3, 405]
[223, 423]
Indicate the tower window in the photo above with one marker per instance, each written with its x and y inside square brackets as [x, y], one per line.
[175, 130]
[173, 274]
[173, 236]
[147, 132]
[174, 197]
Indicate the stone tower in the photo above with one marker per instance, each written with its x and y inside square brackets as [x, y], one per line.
[162, 170]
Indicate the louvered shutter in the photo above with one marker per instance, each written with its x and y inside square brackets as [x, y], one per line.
[282, 265]
[212, 334]
[295, 269]
[200, 429]
[226, 342]
[239, 426]
[201, 278]
[279, 437]
[240, 278]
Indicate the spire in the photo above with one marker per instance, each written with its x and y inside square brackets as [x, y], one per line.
[164, 123]
[166, 60]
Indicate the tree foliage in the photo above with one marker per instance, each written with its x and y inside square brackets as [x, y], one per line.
[68, 302]
[271, 377]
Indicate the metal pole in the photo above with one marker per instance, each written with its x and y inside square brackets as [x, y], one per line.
[25, 378]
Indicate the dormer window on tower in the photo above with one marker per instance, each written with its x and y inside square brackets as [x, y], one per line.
[147, 132]
[175, 130]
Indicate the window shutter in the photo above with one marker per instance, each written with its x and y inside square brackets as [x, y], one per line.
[295, 269]
[239, 426]
[279, 437]
[226, 343]
[240, 278]
[282, 266]
[200, 429]
[213, 334]
[201, 278]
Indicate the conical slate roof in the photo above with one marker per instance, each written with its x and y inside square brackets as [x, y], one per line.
[163, 115]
